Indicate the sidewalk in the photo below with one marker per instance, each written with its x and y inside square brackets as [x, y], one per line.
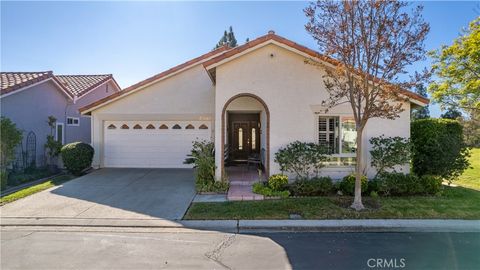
[246, 226]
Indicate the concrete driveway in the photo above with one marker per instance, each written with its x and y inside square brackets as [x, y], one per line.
[113, 193]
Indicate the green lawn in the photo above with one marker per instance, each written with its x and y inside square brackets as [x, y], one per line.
[455, 203]
[471, 177]
[36, 188]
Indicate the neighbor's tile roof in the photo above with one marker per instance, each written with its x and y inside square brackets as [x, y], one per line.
[78, 85]
[11, 81]
[72, 85]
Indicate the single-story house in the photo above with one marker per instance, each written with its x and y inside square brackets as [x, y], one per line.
[29, 98]
[254, 98]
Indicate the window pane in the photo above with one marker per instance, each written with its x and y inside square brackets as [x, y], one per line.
[240, 139]
[328, 133]
[60, 133]
[349, 135]
[254, 139]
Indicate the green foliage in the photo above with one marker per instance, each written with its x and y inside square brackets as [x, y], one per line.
[438, 148]
[471, 129]
[265, 190]
[202, 157]
[52, 146]
[10, 137]
[347, 185]
[278, 182]
[451, 113]
[77, 157]
[399, 184]
[228, 38]
[27, 175]
[215, 186]
[421, 112]
[457, 68]
[388, 152]
[319, 186]
[301, 158]
[3, 179]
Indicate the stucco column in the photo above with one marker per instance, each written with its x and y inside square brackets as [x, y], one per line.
[217, 138]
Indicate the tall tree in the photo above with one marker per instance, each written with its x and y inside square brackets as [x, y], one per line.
[451, 113]
[422, 112]
[373, 42]
[458, 70]
[228, 38]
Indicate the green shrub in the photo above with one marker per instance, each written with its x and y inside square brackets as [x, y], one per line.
[438, 148]
[202, 157]
[320, 186]
[388, 152]
[3, 179]
[77, 157]
[347, 185]
[10, 137]
[431, 184]
[265, 190]
[398, 184]
[215, 186]
[301, 158]
[278, 182]
[374, 194]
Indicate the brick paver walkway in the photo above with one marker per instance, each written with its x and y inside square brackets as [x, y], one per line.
[241, 180]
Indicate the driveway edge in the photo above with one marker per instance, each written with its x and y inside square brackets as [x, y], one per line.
[246, 226]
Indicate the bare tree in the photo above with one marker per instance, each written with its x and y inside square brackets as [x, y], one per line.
[372, 42]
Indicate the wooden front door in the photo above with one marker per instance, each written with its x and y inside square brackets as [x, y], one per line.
[244, 137]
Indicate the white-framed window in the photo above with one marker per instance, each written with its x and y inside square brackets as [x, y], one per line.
[60, 132]
[73, 121]
[338, 134]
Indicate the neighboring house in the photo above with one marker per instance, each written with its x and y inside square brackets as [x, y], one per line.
[28, 98]
[255, 98]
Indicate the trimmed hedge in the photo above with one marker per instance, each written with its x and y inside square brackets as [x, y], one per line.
[320, 186]
[399, 184]
[278, 182]
[347, 185]
[438, 148]
[77, 157]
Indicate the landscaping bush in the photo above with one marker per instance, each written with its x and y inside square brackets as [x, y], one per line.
[265, 190]
[320, 186]
[438, 148]
[431, 184]
[3, 180]
[278, 182]
[215, 186]
[77, 157]
[399, 184]
[301, 158]
[202, 157]
[347, 185]
[388, 152]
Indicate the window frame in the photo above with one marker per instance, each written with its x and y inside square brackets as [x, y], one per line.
[340, 136]
[73, 120]
[57, 124]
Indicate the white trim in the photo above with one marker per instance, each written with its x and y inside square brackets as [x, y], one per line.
[73, 120]
[63, 131]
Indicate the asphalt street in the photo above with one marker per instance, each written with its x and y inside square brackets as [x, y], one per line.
[48, 248]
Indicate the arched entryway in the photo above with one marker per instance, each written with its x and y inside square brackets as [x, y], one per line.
[243, 107]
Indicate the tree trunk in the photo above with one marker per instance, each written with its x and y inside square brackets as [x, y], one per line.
[357, 201]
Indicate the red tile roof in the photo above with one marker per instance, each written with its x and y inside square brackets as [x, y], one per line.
[11, 81]
[72, 85]
[155, 77]
[227, 53]
[78, 85]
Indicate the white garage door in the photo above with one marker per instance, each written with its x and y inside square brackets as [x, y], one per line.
[151, 144]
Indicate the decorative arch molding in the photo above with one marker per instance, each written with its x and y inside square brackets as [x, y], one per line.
[267, 130]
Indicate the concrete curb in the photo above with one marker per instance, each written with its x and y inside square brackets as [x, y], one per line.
[248, 226]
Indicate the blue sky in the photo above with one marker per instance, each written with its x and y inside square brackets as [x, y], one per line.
[135, 40]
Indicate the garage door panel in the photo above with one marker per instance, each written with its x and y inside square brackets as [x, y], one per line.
[151, 148]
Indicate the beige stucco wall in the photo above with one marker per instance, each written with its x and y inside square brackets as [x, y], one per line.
[185, 96]
[293, 92]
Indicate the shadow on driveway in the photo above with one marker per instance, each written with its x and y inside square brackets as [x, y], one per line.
[113, 193]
